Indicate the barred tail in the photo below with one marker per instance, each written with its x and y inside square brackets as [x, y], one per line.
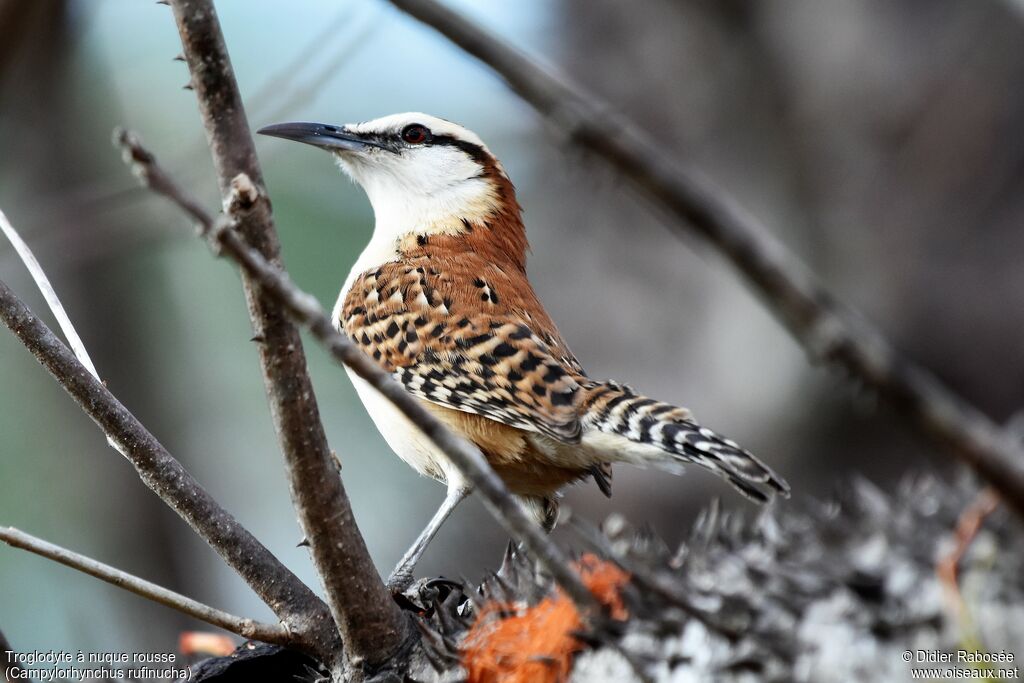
[627, 427]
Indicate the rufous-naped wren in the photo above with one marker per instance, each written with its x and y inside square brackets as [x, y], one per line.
[440, 299]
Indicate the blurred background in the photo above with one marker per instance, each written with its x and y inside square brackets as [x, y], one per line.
[880, 139]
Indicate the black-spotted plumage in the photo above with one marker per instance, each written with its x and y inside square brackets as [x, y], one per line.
[440, 298]
[447, 345]
[467, 334]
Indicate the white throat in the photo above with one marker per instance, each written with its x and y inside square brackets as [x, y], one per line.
[428, 205]
[417, 190]
[417, 195]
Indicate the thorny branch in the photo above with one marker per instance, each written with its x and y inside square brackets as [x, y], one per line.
[304, 308]
[247, 628]
[826, 329]
[372, 626]
[281, 590]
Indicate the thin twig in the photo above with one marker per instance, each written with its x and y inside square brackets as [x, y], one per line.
[305, 309]
[827, 330]
[247, 628]
[43, 283]
[372, 626]
[290, 599]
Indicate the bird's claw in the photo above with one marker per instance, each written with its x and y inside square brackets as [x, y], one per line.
[399, 580]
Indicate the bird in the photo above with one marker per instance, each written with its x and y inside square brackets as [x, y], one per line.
[440, 299]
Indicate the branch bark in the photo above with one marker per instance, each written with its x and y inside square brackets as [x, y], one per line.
[827, 330]
[305, 310]
[372, 626]
[247, 628]
[302, 612]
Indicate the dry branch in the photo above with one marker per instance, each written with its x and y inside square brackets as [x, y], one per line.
[305, 309]
[827, 330]
[290, 599]
[247, 628]
[372, 626]
[46, 289]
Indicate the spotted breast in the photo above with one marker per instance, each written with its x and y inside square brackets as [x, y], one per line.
[470, 338]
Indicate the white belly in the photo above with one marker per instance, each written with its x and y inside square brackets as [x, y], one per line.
[404, 439]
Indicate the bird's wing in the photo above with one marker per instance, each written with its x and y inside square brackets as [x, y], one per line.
[465, 334]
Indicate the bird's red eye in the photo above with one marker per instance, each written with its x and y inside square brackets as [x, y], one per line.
[415, 134]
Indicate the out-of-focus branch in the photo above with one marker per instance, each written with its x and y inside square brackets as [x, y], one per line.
[371, 624]
[827, 330]
[303, 307]
[289, 598]
[247, 628]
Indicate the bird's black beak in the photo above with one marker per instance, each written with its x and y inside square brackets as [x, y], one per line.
[319, 135]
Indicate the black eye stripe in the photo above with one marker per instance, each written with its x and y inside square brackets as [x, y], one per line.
[476, 152]
[392, 140]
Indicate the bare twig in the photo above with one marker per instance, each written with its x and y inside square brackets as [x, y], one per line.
[826, 329]
[305, 310]
[43, 282]
[292, 602]
[247, 628]
[372, 626]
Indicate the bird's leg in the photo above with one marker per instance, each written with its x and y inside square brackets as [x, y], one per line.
[401, 576]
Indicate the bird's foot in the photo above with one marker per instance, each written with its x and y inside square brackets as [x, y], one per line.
[399, 580]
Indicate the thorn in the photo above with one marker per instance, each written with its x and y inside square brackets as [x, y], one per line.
[508, 559]
[508, 591]
[178, 58]
[162, 2]
[258, 338]
[304, 543]
[187, 86]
